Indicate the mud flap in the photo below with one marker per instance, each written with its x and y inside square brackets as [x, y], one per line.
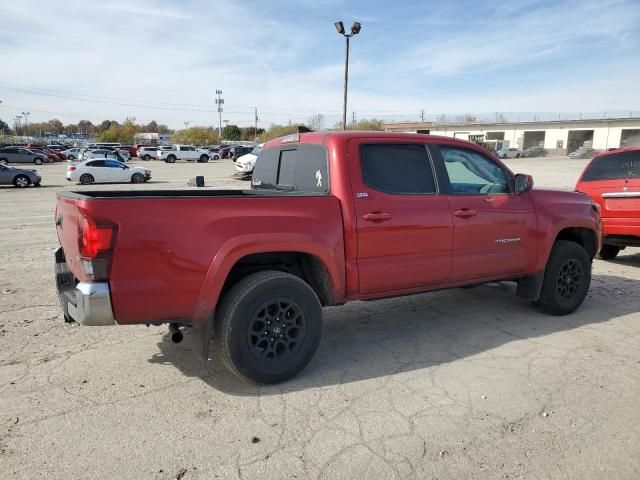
[200, 338]
[530, 287]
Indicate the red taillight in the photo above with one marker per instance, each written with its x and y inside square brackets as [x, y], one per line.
[95, 238]
[71, 169]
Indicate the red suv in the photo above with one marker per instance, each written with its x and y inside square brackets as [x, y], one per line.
[612, 180]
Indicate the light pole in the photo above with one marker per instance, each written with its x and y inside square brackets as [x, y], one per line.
[219, 102]
[355, 29]
[26, 121]
[17, 121]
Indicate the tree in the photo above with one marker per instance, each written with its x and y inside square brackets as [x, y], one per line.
[151, 127]
[5, 129]
[231, 132]
[276, 131]
[249, 133]
[85, 126]
[369, 124]
[469, 118]
[316, 122]
[162, 128]
[71, 129]
[501, 118]
[197, 136]
[56, 126]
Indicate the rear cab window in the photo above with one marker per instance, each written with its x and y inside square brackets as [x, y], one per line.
[616, 166]
[295, 168]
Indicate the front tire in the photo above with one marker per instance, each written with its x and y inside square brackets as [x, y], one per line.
[37, 161]
[71, 158]
[204, 158]
[137, 178]
[567, 278]
[171, 159]
[270, 326]
[216, 157]
[86, 179]
[3, 161]
[146, 158]
[609, 252]
[21, 181]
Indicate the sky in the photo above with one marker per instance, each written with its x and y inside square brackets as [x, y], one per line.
[163, 60]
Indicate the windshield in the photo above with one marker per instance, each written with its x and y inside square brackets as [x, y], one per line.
[256, 150]
[616, 166]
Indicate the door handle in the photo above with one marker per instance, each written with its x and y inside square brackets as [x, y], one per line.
[465, 213]
[377, 216]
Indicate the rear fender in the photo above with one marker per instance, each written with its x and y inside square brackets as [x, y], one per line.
[332, 256]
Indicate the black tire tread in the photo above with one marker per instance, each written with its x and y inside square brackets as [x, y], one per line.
[232, 300]
[609, 252]
[547, 302]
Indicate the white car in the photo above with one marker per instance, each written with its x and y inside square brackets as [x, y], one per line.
[73, 153]
[102, 153]
[101, 170]
[124, 154]
[509, 152]
[182, 152]
[246, 163]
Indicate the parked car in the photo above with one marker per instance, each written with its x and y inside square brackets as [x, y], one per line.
[102, 153]
[130, 149]
[584, 152]
[238, 151]
[124, 154]
[612, 180]
[534, 152]
[331, 218]
[18, 177]
[509, 152]
[182, 152]
[245, 163]
[51, 157]
[73, 153]
[55, 154]
[106, 171]
[224, 152]
[22, 155]
[147, 153]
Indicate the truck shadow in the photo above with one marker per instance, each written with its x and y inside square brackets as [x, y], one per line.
[365, 340]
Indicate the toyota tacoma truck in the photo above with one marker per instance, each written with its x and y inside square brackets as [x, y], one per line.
[330, 218]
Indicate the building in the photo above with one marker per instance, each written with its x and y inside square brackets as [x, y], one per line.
[559, 137]
[151, 137]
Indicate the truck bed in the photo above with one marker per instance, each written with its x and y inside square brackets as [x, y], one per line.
[174, 248]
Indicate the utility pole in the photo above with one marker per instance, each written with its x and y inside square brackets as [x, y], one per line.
[255, 124]
[219, 102]
[353, 119]
[422, 115]
[186, 124]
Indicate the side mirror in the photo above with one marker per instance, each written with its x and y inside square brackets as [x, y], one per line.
[523, 183]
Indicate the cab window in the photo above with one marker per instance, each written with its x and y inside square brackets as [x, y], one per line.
[471, 173]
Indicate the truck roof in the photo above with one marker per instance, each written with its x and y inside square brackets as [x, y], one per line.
[345, 135]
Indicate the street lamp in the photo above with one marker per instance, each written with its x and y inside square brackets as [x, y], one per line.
[355, 29]
[26, 121]
[219, 102]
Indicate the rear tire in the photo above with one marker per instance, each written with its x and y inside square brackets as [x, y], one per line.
[21, 181]
[204, 158]
[86, 179]
[3, 161]
[609, 252]
[270, 326]
[137, 178]
[216, 157]
[71, 158]
[37, 161]
[171, 159]
[567, 278]
[146, 157]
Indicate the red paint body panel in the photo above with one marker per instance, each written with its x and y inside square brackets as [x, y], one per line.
[619, 198]
[173, 254]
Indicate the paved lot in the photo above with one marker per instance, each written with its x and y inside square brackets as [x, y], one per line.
[450, 385]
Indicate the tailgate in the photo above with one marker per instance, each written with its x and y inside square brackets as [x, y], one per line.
[621, 204]
[67, 219]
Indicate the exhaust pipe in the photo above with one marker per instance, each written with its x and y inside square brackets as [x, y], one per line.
[174, 333]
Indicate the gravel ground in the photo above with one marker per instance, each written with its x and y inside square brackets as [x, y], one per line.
[460, 384]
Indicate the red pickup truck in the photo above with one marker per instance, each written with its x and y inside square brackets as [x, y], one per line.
[331, 217]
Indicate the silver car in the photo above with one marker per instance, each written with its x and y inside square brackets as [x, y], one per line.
[21, 155]
[19, 177]
[102, 153]
[509, 153]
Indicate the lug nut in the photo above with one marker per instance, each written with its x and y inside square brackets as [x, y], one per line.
[272, 339]
[266, 333]
[268, 322]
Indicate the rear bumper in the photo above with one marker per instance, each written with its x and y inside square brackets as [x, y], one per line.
[87, 303]
[621, 226]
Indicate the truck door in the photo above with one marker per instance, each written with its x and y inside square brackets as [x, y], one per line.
[494, 229]
[404, 226]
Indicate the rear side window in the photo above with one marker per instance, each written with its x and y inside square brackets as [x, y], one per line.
[616, 166]
[299, 168]
[397, 168]
[97, 163]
